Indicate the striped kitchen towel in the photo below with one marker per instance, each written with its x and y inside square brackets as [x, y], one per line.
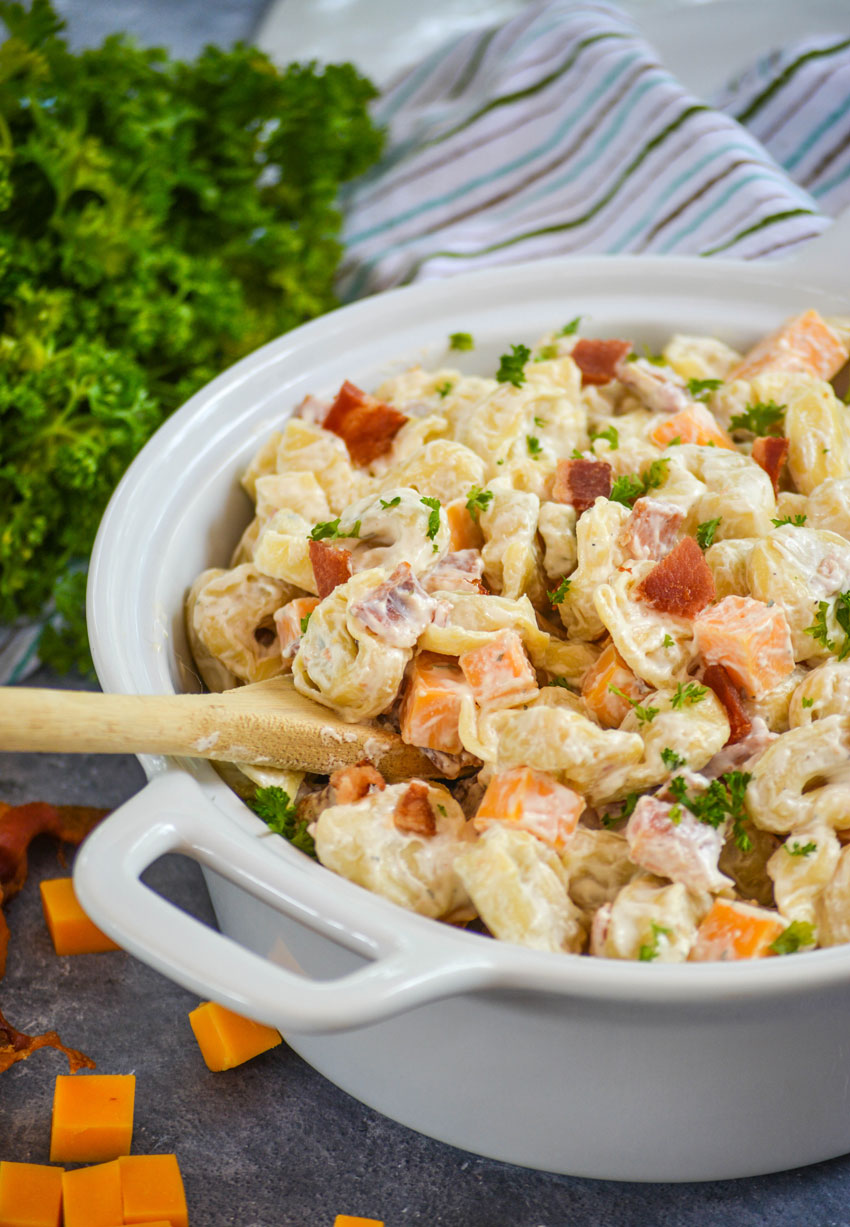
[560, 132]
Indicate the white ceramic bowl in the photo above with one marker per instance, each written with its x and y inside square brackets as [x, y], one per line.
[593, 1067]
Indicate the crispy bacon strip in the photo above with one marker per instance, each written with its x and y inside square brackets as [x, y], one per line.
[331, 566]
[681, 584]
[727, 692]
[771, 452]
[413, 813]
[351, 784]
[19, 825]
[398, 610]
[580, 482]
[365, 424]
[597, 359]
[17, 1046]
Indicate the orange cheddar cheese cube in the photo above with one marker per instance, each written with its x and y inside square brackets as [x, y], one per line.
[70, 928]
[530, 801]
[805, 344]
[289, 619]
[608, 707]
[751, 640]
[92, 1117]
[733, 930]
[499, 672]
[227, 1039]
[152, 1190]
[430, 708]
[464, 532]
[30, 1195]
[348, 1220]
[696, 424]
[91, 1196]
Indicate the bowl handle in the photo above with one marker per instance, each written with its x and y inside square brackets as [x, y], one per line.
[173, 814]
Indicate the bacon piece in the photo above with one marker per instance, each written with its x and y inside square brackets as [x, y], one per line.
[19, 825]
[398, 610]
[597, 360]
[580, 482]
[771, 452]
[652, 528]
[17, 1046]
[365, 424]
[721, 683]
[331, 566]
[351, 784]
[681, 584]
[459, 571]
[669, 841]
[413, 813]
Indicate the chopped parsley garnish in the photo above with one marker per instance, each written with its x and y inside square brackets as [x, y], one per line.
[444, 388]
[675, 441]
[570, 329]
[533, 445]
[798, 934]
[671, 759]
[668, 641]
[808, 702]
[330, 529]
[724, 798]
[761, 419]
[510, 366]
[631, 486]
[477, 501]
[393, 502]
[575, 454]
[539, 421]
[546, 353]
[461, 341]
[650, 951]
[796, 521]
[442, 810]
[610, 434]
[819, 630]
[705, 532]
[645, 715]
[559, 681]
[280, 815]
[558, 595]
[610, 820]
[701, 389]
[305, 622]
[798, 849]
[692, 692]
[434, 517]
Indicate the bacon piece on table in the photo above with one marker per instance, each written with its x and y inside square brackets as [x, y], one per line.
[331, 566]
[597, 359]
[398, 610]
[681, 584]
[727, 692]
[771, 452]
[651, 529]
[366, 425]
[413, 813]
[580, 482]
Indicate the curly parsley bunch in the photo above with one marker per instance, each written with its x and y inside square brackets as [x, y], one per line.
[158, 220]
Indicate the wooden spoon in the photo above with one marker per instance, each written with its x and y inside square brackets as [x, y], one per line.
[267, 723]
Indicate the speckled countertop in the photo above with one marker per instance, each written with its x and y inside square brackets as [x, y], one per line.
[273, 1144]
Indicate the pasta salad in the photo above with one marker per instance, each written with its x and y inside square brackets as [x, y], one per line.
[608, 594]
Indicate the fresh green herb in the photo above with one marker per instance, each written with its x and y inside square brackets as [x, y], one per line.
[611, 434]
[650, 951]
[705, 532]
[763, 418]
[575, 454]
[461, 341]
[444, 388]
[819, 629]
[393, 502]
[689, 693]
[724, 798]
[558, 595]
[330, 529]
[701, 389]
[158, 220]
[668, 641]
[546, 353]
[610, 820]
[441, 809]
[539, 421]
[675, 441]
[645, 715]
[675, 814]
[559, 681]
[798, 849]
[825, 451]
[796, 521]
[511, 366]
[571, 328]
[630, 487]
[808, 702]
[478, 500]
[434, 517]
[305, 622]
[798, 934]
[279, 814]
[533, 445]
[671, 759]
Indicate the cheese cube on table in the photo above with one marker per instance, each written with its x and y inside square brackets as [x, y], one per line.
[91, 1196]
[152, 1190]
[30, 1195]
[70, 928]
[227, 1039]
[92, 1117]
[346, 1220]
